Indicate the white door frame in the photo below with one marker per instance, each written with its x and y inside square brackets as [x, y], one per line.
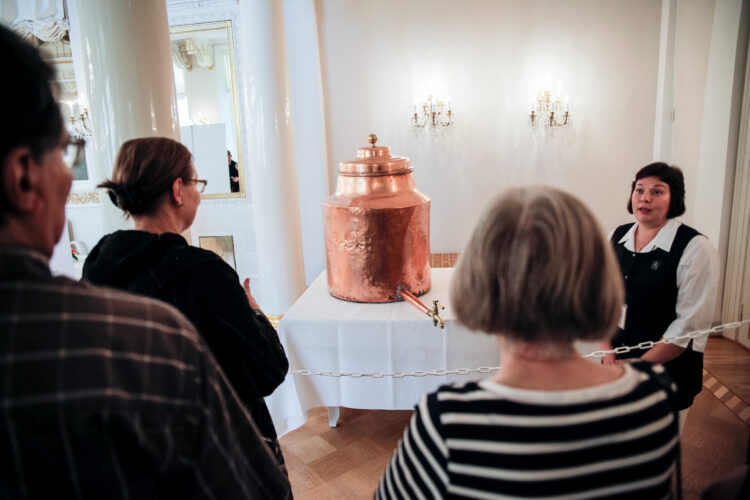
[736, 303]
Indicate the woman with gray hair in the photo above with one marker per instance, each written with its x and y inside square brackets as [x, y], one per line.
[539, 274]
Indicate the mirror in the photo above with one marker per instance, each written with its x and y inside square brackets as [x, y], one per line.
[74, 113]
[207, 105]
[223, 246]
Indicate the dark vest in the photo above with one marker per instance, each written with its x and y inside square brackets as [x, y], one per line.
[651, 295]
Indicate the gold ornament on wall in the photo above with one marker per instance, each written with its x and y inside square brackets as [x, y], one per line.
[84, 198]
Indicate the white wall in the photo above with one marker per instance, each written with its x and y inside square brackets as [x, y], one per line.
[200, 88]
[491, 56]
[692, 44]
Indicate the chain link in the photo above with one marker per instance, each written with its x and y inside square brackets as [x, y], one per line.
[488, 369]
[670, 340]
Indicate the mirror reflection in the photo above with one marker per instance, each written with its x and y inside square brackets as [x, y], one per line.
[203, 59]
[223, 246]
[74, 114]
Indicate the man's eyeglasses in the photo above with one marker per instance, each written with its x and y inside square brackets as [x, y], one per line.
[201, 184]
[74, 152]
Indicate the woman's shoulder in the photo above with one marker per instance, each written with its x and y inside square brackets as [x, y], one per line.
[636, 381]
[618, 232]
[191, 253]
[461, 394]
[205, 263]
[178, 261]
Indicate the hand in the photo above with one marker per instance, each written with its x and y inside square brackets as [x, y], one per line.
[235, 179]
[250, 298]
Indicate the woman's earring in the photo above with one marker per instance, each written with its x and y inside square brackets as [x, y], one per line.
[179, 204]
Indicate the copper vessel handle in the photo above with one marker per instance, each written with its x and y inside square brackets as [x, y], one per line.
[372, 139]
[433, 313]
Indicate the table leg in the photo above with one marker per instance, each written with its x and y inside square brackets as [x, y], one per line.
[333, 416]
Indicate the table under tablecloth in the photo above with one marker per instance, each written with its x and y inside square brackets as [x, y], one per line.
[322, 333]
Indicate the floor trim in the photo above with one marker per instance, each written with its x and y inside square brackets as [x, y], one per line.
[724, 394]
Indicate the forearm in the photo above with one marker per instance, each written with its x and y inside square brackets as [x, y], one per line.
[245, 343]
[269, 365]
[661, 353]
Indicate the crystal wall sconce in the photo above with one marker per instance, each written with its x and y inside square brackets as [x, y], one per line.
[549, 110]
[80, 126]
[433, 113]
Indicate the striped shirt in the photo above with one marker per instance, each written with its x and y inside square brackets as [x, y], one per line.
[486, 440]
[105, 394]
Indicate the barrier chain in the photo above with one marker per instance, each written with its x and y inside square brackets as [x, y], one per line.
[488, 369]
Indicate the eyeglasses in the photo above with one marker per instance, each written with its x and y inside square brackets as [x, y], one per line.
[201, 184]
[74, 156]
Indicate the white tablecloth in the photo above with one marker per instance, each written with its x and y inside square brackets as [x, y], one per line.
[323, 333]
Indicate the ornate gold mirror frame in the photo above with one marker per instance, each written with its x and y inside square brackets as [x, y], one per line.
[206, 83]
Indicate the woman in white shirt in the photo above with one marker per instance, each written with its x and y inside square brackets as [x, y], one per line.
[670, 273]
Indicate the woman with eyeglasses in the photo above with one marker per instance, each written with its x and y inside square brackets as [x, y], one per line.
[154, 181]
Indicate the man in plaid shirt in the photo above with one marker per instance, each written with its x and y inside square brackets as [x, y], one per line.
[103, 394]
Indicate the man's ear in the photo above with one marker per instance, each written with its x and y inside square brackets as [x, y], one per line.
[18, 180]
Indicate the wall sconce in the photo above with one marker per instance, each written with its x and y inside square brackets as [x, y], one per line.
[433, 113]
[80, 126]
[550, 110]
[80, 123]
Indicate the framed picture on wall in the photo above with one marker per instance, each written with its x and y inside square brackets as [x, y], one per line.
[223, 246]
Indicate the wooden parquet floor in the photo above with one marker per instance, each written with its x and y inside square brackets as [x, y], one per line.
[346, 462]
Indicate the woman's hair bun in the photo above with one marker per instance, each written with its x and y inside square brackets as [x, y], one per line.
[131, 199]
[144, 172]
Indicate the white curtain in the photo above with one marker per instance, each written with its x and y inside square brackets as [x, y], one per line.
[180, 56]
[191, 51]
[35, 20]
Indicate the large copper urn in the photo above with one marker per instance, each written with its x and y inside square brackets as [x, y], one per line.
[377, 229]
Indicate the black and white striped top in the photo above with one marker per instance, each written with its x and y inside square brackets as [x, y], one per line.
[486, 440]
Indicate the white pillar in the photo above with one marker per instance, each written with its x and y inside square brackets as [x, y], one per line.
[267, 112]
[718, 153]
[123, 62]
[309, 129]
[720, 131]
[665, 83]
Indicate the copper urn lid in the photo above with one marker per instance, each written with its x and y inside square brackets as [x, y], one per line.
[377, 229]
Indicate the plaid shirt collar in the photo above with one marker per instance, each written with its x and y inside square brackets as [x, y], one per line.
[19, 261]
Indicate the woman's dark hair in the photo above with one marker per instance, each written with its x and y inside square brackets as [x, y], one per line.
[674, 179]
[33, 115]
[145, 169]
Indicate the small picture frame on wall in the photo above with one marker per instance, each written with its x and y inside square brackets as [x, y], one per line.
[223, 246]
